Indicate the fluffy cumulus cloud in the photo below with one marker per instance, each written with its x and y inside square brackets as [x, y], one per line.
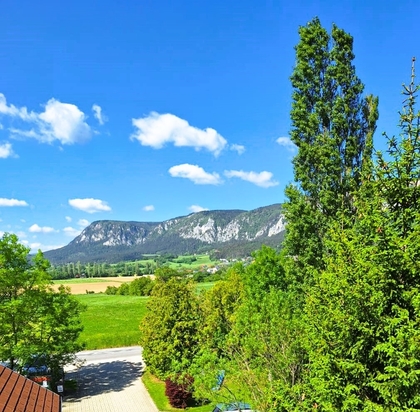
[68, 218]
[262, 179]
[99, 116]
[287, 143]
[195, 173]
[237, 148]
[6, 150]
[63, 122]
[149, 208]
[90, 205]
[12, 202]
[41, 229]
[157, 129]
[196, 208]
[71, 231]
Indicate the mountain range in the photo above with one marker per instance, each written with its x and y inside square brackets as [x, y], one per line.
[225, 233]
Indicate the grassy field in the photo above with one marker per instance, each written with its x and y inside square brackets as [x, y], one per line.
[111, 321]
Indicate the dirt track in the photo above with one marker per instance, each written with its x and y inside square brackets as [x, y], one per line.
[80, 288]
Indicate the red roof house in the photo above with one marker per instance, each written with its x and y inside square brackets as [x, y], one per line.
[19, 394]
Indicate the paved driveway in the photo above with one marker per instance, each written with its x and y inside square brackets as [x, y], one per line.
[109, 381]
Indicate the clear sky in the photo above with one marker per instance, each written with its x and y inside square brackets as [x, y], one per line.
[147, 110]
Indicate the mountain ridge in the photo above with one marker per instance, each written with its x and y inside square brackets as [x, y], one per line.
[226, 231]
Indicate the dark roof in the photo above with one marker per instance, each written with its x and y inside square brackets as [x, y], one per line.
[19, 394]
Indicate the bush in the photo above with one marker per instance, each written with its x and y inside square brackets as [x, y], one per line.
[111, 290]
[124, 289]
[178, 394]
[141, 287]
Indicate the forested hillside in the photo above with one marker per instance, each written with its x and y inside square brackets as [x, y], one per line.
[224, 233]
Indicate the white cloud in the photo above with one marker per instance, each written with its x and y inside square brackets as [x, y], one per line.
[44, 229]
[68, 218]
[196, 208]
[6, 151]
[83, 222]
[149, 208]
[39, 246]
[13, 111]
[195, 173]
[262, 179]
[64, 122]
[99, 116]
[70, 231]
[90, 205]
[287, 143]
[21, 234]
[12, 202]
[238, 148]
[157, 129]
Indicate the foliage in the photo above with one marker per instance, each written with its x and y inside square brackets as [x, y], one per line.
[169, 330]
[364, 307]
[34, 319]
[332, 127]
[218, 307]
[251, 331]
[178, 394]
[265, 345]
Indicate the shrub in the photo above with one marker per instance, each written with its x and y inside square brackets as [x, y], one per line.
[124, 289]
[111, 290]
[178, 394]
[141, 287]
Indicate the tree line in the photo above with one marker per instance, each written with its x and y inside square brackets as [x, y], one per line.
[332, 321]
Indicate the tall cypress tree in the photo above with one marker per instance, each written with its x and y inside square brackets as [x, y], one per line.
[332, 127]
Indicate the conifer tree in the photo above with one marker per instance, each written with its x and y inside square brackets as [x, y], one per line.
[363, 311]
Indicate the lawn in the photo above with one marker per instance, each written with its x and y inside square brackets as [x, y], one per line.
[111, 321]
[156, 389]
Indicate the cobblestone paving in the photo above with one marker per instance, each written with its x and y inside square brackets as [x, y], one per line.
[109, 386]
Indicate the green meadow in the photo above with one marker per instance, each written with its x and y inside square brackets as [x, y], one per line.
[111, 321]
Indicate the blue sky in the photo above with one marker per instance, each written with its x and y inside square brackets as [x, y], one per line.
[148, 110]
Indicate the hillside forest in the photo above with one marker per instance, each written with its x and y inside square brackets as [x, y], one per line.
[331, 322]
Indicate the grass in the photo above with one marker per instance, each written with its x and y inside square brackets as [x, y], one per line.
[156, 389]
[111, 321]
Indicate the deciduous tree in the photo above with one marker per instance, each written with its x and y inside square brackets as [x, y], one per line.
[170, 328]
[332, 127]
[34, 319]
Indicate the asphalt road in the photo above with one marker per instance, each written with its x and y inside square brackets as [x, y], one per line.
[109, 381]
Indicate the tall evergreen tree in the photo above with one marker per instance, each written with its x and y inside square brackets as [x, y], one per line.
[332, 127]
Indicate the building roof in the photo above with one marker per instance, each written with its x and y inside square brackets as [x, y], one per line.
[19, 394]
